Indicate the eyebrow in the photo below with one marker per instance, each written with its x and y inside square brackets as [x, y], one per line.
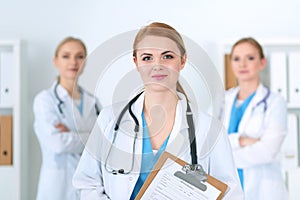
[145, 54]
[149, 54]
[167, 52]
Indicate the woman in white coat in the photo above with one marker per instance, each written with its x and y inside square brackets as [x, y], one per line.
[256, 119]
[64, 116]
[119, 172]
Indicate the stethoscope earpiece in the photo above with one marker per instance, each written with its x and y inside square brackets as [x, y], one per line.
[114, 172]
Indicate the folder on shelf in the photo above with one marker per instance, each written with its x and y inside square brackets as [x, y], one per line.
[230, 79]
[168, 180]
[5, 140]
[294, 81]
[6, 78]
[278, 73]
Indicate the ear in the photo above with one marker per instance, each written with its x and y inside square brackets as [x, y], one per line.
[183, 61]
[136, 63]
[263, 63]
[55, 62]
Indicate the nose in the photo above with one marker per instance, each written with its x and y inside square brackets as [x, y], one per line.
[157, 68]
[157, 64]
[73, 60]
[243, 63]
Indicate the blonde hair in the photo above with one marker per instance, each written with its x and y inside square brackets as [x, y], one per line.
[251, 41]
[161, 30]
[70, 39]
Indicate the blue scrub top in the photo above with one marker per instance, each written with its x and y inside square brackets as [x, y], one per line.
[148, 158]
[236, 116]
[80, 105]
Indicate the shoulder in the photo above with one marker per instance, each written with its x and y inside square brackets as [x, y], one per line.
[267, 94]
[43, 97]
[231, 92]
[87, 94]
[110, 113]
[276, 99]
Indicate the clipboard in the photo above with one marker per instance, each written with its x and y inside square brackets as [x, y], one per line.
[222, 187]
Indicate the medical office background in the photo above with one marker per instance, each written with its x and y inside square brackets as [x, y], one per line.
[35, 28]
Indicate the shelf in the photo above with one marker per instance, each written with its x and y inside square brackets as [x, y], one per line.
[12, 171]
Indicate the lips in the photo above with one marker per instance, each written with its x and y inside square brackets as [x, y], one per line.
[243, 71]
[159, 76]
[74, 69]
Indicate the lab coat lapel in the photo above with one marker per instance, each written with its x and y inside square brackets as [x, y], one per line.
[88, 105]
[72, 115]
[88, 110]
[178, 141]
[137, 109]
[66, 107]
[258, 97]
[228, 106]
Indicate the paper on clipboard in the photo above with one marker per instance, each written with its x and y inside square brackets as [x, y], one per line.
[162, 184]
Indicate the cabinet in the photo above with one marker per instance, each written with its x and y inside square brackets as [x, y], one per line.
[280, 75]
[10, 145]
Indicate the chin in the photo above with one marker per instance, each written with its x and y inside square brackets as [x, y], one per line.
[159, 88]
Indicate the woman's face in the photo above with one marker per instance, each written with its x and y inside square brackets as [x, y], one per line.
[159, 62]
[246, 62]
[70, 60]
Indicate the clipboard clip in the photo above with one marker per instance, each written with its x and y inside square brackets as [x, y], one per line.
[194, 175]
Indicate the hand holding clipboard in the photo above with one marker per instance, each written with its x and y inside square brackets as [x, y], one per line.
[172, 183]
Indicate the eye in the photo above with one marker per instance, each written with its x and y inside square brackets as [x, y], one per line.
[146, 58]
[235, 59]
[251, 58]
[80, 57]
[168, 56]
[65, 56]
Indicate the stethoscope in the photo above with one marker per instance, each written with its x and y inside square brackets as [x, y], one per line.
[264, 100]
[191, 130]
[61, 102]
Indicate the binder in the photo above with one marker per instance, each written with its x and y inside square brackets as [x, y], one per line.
[6, 140]
[222, 187]
[293, 183]
[6, 78]
[278, 73]
[289, 148]
[294, 81]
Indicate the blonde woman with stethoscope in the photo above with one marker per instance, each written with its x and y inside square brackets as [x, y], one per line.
[64, 116]
[121, 152]
[256, 119]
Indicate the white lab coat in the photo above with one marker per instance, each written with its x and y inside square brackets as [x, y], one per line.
[95, 182]
[61, 151]
[262, 175]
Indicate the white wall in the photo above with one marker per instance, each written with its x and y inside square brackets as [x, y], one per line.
[42, 24]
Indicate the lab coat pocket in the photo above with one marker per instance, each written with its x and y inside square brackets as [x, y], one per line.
[117, 186]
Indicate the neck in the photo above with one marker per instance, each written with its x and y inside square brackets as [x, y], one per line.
[246, 89]
[165, 101]
[160, 112]
[71, 86]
